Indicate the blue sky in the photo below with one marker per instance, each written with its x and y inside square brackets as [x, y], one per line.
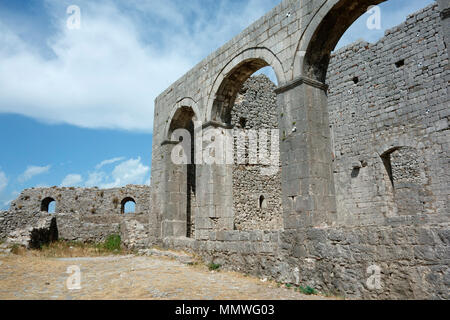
[76, 106]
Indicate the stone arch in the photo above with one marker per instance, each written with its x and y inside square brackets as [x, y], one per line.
[181, 177]
[184, 103]
[233, 75]
[406, 181]
[45, 203]
[313, 53]
[124, 202]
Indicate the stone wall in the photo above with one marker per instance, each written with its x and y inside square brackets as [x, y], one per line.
[92, 201]
[31, 230]
[413, 258]
[18, 227]
[82, 214]
[389, 112]
[256, 196]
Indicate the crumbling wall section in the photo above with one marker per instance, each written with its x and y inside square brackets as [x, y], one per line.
[30, 229]
[92, 201]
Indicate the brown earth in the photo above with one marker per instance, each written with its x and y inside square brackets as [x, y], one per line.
[130, 277]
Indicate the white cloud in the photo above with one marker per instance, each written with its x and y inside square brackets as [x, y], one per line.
[95, 179]
[131, 171]
[3, 181]
[107, 162]
[128, 172]
[108, 73]
[72, 180]
[33, 171]
[105, 75]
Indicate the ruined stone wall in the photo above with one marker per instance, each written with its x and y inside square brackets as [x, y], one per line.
[92, 201]
[388, 102]
[85, 215]
[21, 227]
[413, 258]
[256, 196]
[390, 148]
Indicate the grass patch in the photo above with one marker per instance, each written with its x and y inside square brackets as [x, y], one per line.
[112, 243]
[307, 290]
[213, 266]
[16, 249]
[75, 249]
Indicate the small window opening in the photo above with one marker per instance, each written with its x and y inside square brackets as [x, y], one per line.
[242, 122]
[128, 206]
[355, 80]
[262, 202]
[400, 63]
[48, 205]
[388, 165]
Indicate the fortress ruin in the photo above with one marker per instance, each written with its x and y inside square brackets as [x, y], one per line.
[363, 176]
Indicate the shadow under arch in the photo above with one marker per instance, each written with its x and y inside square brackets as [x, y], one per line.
[323, 34]
[233, 75]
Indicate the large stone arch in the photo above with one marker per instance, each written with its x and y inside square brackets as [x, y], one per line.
[186, 102]
[232, 76]
[323, 33]
[180, 178]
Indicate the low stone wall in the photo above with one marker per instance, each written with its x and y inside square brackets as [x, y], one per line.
[133, 228]
[17, 227]
[413, 259]
[27, 229]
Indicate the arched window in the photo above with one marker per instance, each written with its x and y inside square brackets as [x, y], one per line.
[405, 168]
[48, 205]
[128, 205]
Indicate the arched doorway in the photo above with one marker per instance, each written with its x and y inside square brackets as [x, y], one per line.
[245, 104]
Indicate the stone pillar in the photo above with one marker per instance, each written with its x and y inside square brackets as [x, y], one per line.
[214, 190]
[174, 214]
[306, 156]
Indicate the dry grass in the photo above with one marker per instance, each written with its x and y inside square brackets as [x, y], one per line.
[66, 249]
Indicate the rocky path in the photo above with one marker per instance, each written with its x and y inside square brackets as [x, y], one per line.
[129, 277]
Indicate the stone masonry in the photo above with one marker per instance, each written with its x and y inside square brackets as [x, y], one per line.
[86, 215]
[257, 197]
[363, 185]
[364, 151]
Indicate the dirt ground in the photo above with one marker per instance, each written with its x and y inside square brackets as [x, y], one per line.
[130, 277]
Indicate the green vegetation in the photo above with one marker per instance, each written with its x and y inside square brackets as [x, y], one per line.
[214, 266]
[112, 243]
[307, 290]
[67, 249]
